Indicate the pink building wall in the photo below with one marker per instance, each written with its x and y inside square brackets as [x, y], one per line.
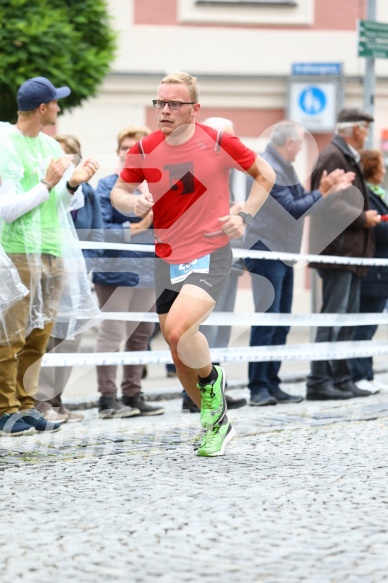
[329, 14]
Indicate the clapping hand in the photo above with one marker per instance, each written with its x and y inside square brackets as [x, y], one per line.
[84, 171]
[335, 181]
[56, 170]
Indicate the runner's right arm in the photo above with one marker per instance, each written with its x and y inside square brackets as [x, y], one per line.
[124, 200]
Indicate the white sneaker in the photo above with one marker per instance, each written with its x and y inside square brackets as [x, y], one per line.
[374, 386]
[379, 385]
[364, 384]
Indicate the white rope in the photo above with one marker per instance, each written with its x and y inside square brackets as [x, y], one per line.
[258, 319]
[309, 352]
[251, 253]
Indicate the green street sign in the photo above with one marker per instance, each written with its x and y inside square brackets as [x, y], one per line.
[372, 39]
[374, 51]
[372, 28]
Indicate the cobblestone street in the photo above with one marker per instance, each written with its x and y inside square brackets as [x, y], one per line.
[301, 495]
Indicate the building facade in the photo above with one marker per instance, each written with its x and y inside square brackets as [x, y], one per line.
[243, 54]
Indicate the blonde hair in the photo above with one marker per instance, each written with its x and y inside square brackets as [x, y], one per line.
[70, 144]
[135, 132]
[184, 79]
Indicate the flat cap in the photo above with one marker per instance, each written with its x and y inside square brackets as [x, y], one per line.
[353, 114]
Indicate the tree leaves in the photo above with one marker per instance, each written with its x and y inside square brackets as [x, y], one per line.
[68, 41]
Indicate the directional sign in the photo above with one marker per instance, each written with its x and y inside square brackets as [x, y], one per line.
[373, 39]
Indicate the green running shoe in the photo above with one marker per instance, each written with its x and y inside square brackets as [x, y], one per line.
[213, 403]
[216, 439]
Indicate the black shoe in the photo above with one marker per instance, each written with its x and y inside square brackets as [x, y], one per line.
[262, 398]
[283, 397]
[140, 404]
[109, 408]
[327, 393]
[189, 405]
[235, 403]
[354, 389]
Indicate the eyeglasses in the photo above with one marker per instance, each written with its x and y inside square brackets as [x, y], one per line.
[158, 104]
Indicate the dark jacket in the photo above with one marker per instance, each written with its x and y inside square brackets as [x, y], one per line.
[375, 283]
[278, 226]
[88, 222]
[122, 268]
[355, 240]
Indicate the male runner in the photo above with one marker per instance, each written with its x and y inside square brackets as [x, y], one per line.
[186, 166]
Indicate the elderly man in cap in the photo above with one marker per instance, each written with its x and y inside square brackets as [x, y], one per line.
[341, 283]
[40, 183]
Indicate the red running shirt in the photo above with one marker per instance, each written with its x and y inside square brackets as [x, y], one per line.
[189, 184]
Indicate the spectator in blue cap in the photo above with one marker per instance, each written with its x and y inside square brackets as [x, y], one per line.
[33, 92]
[36, 232]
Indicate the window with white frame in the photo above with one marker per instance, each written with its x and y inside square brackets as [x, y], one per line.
[240, 12]
[292, 2]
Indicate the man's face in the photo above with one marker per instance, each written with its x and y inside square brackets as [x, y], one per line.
[361, 133]
[169, 120]
[295, 146]
[49, 115]
[123, 148]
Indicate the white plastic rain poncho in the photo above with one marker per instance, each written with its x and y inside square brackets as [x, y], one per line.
[36, 232]
[11, 288]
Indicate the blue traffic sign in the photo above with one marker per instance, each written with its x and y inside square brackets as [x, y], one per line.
[312, 100]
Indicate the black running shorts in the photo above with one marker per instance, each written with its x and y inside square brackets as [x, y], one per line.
[212, 282]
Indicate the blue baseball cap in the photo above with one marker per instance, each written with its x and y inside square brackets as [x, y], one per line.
[38, 90]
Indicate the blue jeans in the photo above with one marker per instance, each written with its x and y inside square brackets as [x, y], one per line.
[264, 375]
[362, 368]
[340, 295]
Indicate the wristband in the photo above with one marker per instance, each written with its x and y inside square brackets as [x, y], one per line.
[71, 189]
[47, 184]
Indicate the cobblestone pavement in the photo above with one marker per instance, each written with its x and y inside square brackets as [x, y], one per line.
[301, 495]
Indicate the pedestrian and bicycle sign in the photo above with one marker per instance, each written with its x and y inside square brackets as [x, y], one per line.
[314, 95]
[313, 105]
[312, 100]
[372, 39]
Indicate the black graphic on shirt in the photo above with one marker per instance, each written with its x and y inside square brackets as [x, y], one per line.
[181, 177]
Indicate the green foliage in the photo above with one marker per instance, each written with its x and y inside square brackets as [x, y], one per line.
[68, 41]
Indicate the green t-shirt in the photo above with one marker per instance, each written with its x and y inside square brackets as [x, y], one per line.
[37, 231]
